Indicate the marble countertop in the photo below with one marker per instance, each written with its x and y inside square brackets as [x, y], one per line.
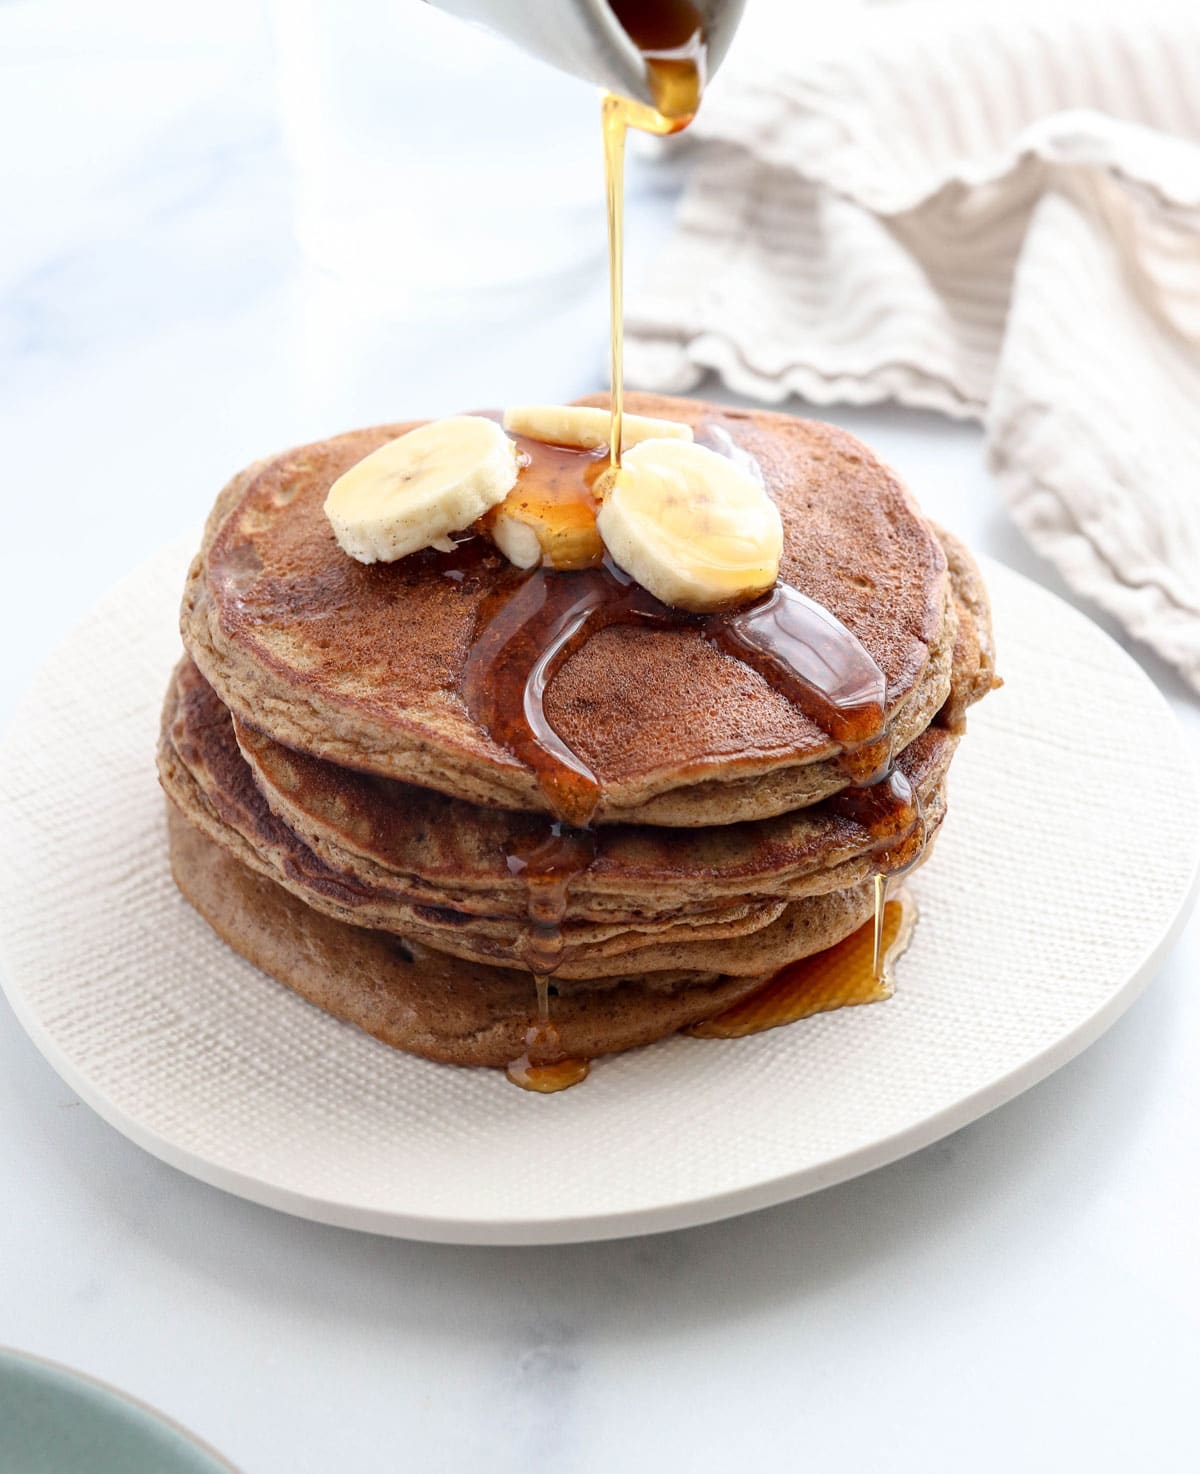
[1023, 1295]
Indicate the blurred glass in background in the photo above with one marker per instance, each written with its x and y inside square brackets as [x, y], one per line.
[435, 165]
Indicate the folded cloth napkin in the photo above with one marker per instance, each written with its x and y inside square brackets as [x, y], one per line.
[991, 212]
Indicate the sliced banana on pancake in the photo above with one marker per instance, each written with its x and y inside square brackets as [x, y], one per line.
[691, 526]
[533, 535]
[586, 426]
[416, 490]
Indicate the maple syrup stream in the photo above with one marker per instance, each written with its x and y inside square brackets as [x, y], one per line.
[670, 36]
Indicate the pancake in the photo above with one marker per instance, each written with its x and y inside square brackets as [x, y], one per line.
[342, 811]
[363, 665]
[211, 784]
[757, 874]
[974, 659]
[431, 847]
[418, 1000]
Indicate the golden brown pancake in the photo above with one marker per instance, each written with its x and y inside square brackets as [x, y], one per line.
[675, 899]
[362, 665]
[421, 1001]
[342, 820]
[974, 661]
[431, 847]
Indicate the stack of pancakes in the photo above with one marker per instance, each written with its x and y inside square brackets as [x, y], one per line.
[339, 817]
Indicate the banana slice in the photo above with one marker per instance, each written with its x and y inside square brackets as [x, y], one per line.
[586, 426]
[691, 526]
[532, 534]
[414, 491]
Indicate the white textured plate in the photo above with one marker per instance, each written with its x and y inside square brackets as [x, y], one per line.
[1024, 954]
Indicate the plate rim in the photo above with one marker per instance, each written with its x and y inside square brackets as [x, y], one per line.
[661, 1217]
[627, 1223]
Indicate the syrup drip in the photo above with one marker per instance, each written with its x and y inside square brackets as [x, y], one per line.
[543, 1067]
[879, 972]
[548, 867]
[525, 635]
[810, 657]
[890, 808]
[857, 970]
[528, 630]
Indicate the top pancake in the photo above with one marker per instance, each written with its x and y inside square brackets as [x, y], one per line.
[362, 665]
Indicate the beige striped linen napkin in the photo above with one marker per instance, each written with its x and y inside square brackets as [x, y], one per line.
[994, 213]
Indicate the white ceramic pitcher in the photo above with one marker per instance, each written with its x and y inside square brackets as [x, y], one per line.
[585, 38]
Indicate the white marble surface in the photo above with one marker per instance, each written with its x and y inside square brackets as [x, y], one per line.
[1024, 1295]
